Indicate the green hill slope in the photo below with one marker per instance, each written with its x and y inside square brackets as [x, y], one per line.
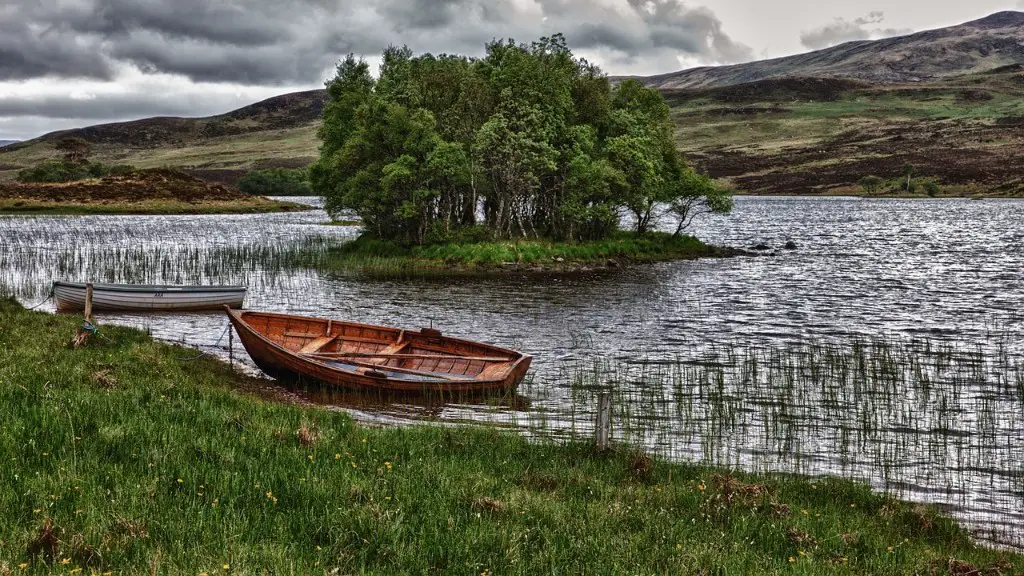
[278, 132]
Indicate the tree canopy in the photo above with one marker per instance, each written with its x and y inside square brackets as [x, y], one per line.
[528, 141]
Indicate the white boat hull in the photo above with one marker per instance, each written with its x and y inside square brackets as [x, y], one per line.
[71, 296]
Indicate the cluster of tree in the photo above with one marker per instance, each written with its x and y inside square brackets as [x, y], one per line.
[74, 165]
[528, 141]
[907, 182]
[277, 182]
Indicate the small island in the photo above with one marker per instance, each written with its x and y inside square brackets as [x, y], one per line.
[372, 257]
[525, 159]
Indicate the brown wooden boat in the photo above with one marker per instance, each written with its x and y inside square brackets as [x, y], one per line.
[375, 357]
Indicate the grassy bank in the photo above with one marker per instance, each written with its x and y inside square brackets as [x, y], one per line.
[249, 206]
[375, 257]
[124, 457]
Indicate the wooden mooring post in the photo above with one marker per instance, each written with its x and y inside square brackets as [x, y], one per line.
[87, 328]
[603, 427]
[88, 302]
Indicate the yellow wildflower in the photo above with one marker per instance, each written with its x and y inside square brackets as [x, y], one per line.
[227, 566]
[310, 457]
[180, 480]
[792, 560]
[337, 456]
[804, 512]
[65, 561]
[388, 466]
[23, 565]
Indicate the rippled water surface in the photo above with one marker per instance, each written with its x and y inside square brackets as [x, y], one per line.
[886, 347]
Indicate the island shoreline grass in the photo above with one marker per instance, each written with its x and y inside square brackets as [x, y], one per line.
[20, 206]
[130, 455]
[370, 256]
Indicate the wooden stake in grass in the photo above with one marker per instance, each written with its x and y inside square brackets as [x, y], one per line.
[82, 335]
[88, 302]
[603, 428]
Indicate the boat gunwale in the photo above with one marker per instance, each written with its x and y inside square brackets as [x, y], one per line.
[238, 316]
[146, 288]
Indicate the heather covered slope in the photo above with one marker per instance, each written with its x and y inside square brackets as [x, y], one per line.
[809, 136]
[977, 46]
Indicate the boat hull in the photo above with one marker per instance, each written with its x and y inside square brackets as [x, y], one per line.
[70, 296]
[284, 363]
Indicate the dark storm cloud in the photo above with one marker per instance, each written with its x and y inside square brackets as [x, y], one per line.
[842, 30]
[274, 42]
[29, 49]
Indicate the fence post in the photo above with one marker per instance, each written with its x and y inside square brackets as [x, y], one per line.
[88, 301]
[603, 429]
[231, 347]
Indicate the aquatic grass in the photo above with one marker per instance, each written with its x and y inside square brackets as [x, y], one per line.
[379, 258]
[123, 459]
[929, 420]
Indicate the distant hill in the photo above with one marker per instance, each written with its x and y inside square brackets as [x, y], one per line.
[984, 44]
[278, 113]
[6, 142]
[277, 132]
[949, 102]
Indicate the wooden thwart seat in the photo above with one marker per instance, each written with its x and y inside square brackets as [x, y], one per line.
[317, 345]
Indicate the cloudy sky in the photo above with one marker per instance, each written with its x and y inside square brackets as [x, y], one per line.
[68, 63]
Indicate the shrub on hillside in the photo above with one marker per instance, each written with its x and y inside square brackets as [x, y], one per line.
[65, 171]
[276, 182]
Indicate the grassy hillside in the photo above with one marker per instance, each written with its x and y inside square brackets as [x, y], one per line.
[790, 135]
[276, 133]
[818, 135]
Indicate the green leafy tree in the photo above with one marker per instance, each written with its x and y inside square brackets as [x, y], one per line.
[530, 137]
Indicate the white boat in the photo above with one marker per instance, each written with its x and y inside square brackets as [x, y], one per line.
[129, 297]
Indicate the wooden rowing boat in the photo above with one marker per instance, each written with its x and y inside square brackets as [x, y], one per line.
[138, 298]
[362, 356]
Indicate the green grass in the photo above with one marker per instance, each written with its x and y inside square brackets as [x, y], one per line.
[369, 255]
[247, 206]
[122, 456]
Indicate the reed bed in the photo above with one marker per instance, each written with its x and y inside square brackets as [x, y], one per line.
[933, 421]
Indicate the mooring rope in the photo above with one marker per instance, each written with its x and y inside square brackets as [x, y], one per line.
[202, 353]
[45, 300]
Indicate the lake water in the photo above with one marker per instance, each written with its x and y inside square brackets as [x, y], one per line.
[887, 347]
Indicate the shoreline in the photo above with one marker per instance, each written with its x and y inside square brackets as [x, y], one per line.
[30, 207]
[373, 257]
[145, 457]
[843, 193]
